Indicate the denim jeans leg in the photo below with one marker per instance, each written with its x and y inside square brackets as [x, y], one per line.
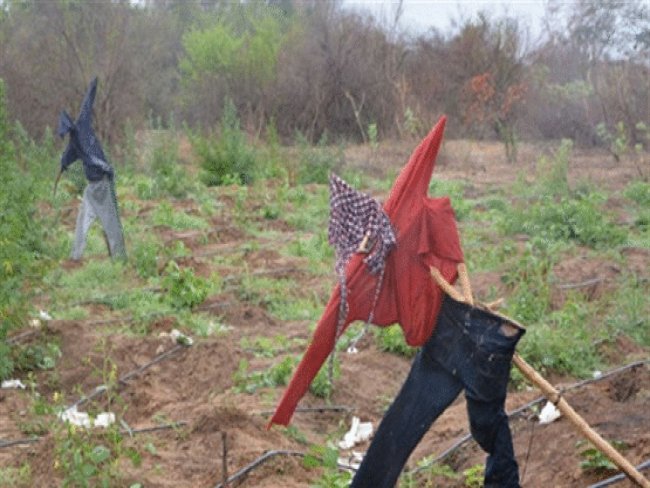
[489, 427]
[427, 392]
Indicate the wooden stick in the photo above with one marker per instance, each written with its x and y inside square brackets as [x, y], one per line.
[594, 437]
[547, 389]
[463, 277]
[446, 287]
[224, 459]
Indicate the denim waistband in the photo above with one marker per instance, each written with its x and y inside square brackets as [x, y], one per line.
[463, 312]
[476, 320]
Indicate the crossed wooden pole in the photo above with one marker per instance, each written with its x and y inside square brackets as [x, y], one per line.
[549, 391]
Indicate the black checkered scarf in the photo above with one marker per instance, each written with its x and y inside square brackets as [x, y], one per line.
[353, 215]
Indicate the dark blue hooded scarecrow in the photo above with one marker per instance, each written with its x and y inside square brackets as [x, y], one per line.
[99, 199]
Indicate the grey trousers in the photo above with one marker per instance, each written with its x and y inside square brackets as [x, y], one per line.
[99, 201]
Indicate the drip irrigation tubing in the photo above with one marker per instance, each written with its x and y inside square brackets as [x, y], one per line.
[243, 472]
[467, 437]
[619, 477]
[124, 378]
[327, 408]
[23, 335]
[144, 430]
[259, 461]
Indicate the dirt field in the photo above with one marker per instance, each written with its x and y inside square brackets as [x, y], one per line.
[194, 385]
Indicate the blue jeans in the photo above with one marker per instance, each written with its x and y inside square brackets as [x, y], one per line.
[469, 351]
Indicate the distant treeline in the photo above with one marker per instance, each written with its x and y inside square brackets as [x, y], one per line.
[316, 68]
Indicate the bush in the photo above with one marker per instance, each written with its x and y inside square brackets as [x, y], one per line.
[183, 288]
[168, 177]
[316, 163]
[575, 218]
[227, 158]
[21, 234]
[144, 255]
[639, 192]
[391, 339]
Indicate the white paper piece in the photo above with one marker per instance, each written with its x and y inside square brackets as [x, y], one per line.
[82, 419]
[549, 414]
[359, 432]
[597, 374]
[353, 461]
[43, 315]
[178, 337]
[13, 384]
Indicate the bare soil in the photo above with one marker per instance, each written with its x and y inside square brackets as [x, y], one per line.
[194, 385]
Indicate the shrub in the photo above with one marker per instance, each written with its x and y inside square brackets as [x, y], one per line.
[144, 255]
[169, 178]
[391, 339]
[21, 233]
[639, 192]
[317, 162]
[227, 158]
[276, 375]
[577, 218]
[183, 288]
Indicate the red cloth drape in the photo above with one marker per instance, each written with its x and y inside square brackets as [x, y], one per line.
[426, 236]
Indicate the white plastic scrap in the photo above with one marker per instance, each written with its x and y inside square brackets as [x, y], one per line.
[178, 337]
[43, 315]
[359, 432]
[549, 413]
[12, 384]
[353, 461]
[597, 374]
[82, 419]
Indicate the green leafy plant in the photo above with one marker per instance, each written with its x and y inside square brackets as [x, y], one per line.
[145, 256]
[276, 375]
[638, 192]
[170, 177]
[474, 476]
[391, 339]
[321, 386]
[317, 162]
[16, 477]
[166, 215]
[183, 288]
[227, 158]
[326, 457]
[594, 461]
[22, 240]
[372, 136]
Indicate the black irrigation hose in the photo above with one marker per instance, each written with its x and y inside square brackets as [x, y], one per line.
[260, 460]
[144, 430]
[619, 477]
[124, 378]
[467, 437]
[17, 442]
[18, 337]
[243, 472]
[326, 408]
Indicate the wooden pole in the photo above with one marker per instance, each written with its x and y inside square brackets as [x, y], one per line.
[224, 459]
[547, 389]
[583, 427]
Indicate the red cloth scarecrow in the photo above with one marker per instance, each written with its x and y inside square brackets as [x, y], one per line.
[426, 236]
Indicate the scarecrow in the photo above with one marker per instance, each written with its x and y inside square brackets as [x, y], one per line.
[99, 199]
[397, 264]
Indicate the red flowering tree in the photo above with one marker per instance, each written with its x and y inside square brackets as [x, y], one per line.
[493, 106]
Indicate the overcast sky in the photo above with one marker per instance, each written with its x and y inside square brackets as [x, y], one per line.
[420, 15]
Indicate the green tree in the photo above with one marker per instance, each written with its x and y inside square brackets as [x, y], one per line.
[235, 57]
